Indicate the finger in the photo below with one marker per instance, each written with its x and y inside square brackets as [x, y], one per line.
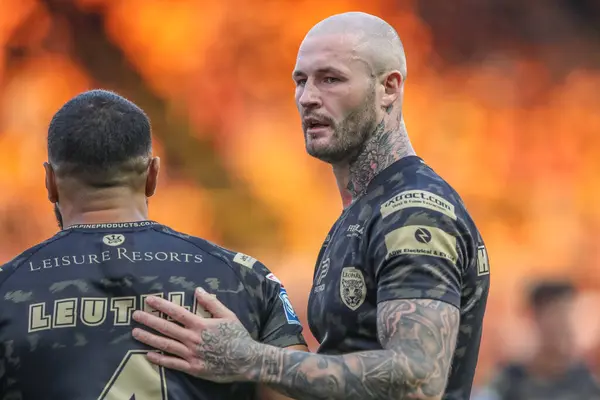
[170, 362]
[165, 327]
[213, 305]
[173, 310]
[161, 343]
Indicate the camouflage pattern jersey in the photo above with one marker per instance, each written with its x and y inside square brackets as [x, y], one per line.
[409, 237]
[66, 306]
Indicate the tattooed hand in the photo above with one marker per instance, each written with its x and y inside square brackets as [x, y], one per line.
[219, 349]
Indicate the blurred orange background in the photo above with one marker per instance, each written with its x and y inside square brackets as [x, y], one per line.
[502, 99]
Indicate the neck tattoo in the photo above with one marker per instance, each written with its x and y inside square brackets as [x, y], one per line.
[381, 150]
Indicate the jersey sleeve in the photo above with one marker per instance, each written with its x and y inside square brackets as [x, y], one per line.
[418, 252]
[280, 325]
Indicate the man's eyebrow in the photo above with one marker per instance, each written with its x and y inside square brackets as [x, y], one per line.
[297, 73]
[320, 71]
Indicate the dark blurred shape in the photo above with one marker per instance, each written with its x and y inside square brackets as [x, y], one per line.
[588, 13]
[551, 305]
[564, 34]
[548, 293]
[554, 371]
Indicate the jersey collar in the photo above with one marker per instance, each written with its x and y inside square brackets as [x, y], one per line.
[113, 226]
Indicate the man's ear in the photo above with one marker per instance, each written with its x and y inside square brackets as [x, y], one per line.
[152, 179]
[392, 88]
[51, 188]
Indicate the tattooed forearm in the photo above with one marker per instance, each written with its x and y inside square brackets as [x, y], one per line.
[418, 337]
[238, 352]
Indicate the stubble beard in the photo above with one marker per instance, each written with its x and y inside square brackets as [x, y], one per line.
[349, 136]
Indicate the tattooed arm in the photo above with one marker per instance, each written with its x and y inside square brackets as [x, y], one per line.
[264, 392]
[418, 337]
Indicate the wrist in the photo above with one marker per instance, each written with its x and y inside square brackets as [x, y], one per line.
[269, 365]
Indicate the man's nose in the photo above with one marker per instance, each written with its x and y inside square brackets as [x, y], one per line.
[310, 96]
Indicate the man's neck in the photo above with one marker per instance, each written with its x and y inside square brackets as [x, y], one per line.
[103, 209]
[387, 145]
[104, 217]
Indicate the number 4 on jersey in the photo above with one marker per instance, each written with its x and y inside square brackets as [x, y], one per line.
[136, 379]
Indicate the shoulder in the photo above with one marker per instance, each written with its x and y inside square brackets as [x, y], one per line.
[418, 195]
[417, 211]
[11, 266]
[421, 198]
[420, 188]
[247, 268]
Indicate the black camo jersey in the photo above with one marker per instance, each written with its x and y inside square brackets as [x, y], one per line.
[66, 312]
[408, 237]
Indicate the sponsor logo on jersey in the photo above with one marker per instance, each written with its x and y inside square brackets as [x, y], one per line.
[115, 239]
[244, 260]
[116, 225]
[483, 262]
[114, 253]
[288, 309]
[355, 231]
[418, 198]
[322, 272]
[421, 240]
[353, 289]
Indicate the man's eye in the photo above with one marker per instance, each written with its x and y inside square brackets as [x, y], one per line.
[331, 80]
[300, 82]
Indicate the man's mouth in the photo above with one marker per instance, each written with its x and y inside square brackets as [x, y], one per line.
[316, 126]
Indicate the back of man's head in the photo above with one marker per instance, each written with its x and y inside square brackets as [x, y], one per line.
[100, 139]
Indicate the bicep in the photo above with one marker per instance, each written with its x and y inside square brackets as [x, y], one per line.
[422, 333]
[418, 259]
